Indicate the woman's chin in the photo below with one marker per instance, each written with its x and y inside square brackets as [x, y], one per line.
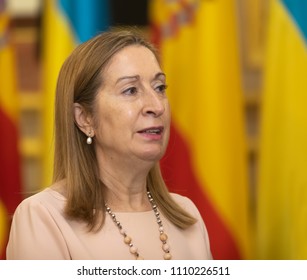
[152, 156]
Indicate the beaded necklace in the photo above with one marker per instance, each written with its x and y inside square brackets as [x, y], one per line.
[128, 240]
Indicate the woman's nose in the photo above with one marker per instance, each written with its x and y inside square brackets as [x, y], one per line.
[154, 103]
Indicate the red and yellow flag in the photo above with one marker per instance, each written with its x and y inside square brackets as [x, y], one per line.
[10, 178]
[207, 155]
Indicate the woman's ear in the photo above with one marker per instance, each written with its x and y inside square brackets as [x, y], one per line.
[83, 120]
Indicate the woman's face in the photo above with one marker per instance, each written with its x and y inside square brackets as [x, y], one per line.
[132, 115]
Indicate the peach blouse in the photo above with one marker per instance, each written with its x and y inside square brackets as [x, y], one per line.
[40, 230]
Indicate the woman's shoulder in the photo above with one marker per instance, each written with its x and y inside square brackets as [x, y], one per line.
[45, 198]
[185, 202]
[38, 218]
[180, 198]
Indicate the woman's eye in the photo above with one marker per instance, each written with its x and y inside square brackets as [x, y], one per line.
[161, 88]
[130, 91]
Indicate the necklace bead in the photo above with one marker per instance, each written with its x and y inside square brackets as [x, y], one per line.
[163, 237]
[133, 249]
[167, 256]
[165, 247]
[128, 240]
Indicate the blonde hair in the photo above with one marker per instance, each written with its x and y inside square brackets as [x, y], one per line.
[79, 80]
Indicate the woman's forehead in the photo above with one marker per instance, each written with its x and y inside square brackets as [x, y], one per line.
[131, 61]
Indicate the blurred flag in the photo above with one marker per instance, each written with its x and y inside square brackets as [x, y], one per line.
[207, 155]
[66, 23]
[282, 189]
[10, 177]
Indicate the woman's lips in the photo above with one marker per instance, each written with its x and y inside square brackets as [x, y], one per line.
[152, 132]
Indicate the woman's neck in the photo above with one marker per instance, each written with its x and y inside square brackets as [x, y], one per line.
[125, 192]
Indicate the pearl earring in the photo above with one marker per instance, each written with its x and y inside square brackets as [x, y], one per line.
[89, 139]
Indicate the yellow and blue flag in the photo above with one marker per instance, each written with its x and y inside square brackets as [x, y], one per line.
[282, 181]
[66, 23]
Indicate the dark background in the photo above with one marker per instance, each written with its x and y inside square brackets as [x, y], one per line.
[129, 12]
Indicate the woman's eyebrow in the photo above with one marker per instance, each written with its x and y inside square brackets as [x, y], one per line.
[135, 77]
[160, 74]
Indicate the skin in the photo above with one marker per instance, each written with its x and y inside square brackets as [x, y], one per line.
[130, 126]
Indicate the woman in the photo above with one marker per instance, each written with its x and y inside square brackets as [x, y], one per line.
[108, 200]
